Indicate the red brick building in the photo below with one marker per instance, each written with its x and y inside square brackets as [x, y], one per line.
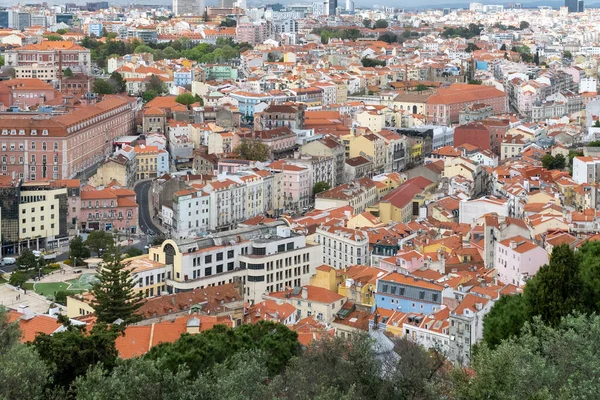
[444, 107]
[475, 133]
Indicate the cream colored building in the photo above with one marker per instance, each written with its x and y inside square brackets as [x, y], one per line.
[40, 212]
[311, 301]
[79, 305]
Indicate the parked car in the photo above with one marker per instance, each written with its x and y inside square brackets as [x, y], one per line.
[9, 261]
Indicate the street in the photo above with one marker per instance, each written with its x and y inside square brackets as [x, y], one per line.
[142, 190]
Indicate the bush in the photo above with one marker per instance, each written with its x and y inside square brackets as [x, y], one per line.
[54, 266]
[68, 262]
[61, 297]
[18, 278]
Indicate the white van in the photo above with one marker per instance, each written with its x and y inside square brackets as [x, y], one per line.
[9, 261]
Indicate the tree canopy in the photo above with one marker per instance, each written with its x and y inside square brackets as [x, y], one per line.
[554, 162]
[99, 241]
[27, 260]
[321, 187]
[381, 24]
[103, 87]
[114, 294]
[186, 99]
[156, 84]
[371, 62]
[252, 150]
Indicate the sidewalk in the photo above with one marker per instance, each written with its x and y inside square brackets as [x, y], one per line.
[35, 302]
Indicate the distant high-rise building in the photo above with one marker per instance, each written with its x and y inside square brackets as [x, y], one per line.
[192, 7]
[227, 3]
[580, 6]
[330, 7]
[4, 17]
[573, 5]
[24, 20]
[350, 6]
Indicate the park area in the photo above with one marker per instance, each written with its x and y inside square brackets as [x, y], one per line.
[71, 286]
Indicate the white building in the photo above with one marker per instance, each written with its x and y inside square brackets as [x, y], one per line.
[518, 259]
[466, 326]
[586, 169]
[190, 213]
[343, 247]
[472, 210]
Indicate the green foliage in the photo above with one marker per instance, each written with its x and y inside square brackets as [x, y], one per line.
[371, 62]
[321, 187]
[2, 61]
[543, 363]
[18, 278]
[380, 24]
[103, 87]
[388, 37]
[503, 47]
[27, 260]
[474, 81]
[143, 49]
[203, 351]
[67, 72]
[505, 319]
[523, 25]
[133, 252]
[78, 250]
[112, 35]
[99, 241]
[114, 294]
[9, 332]
[252, 150]
[53, 38]
[367, 23]
[229, 23]
[553, 162]
[596, 125]
[61, 297]
[170, 53]
[156, 84]
[72, 352]
[471, 47]
[567, 54]
[22, 373]
[62, 31]
[344, 34]
[149, 95]
[186, 99]
[117, 82]
[464, 32]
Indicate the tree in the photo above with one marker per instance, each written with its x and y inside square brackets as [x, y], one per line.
[78, 250]
[143, 49]
[371, 62]
[170, 53]
[53, 38]
[203, 351]
[18, 278]
[503, 47]
[156, 84]
[553, 162]
[114, 294]
[597, 123]
[381, 24]
[149, 95]
[62, 31]
[103, 87]
[388, 37]
[133, 252]
[104, 32]
[544, 362]
[2, 61]
[60, 297]
[506, 319]
[27, 260]
[567, 54]
[99, 241]
[321, 187]
[367, 23]
[471, 47]
[589, 270]
[186, 99]
[474, 81]
[252, 150]
[67, 72]
[71, 352]
[536, 58]
[229, 23]
[420, 87]
[523, 25]
[112, 35]
[199, 100]
[118, 82]
[22, 373]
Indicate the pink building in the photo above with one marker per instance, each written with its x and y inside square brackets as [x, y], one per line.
[25, 92]
[297, 185]
[252, 32]
[109, 209]
[518, 259]
[403, 262]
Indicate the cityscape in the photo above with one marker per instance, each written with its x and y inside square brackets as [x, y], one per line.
[308, 200]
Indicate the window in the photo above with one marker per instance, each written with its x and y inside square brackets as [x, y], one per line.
[219, 256]
[208, 271]
[208, 259]
[230, 254]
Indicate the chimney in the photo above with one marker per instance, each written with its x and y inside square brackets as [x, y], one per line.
[304, 292]
[513, 244]
[478, 306]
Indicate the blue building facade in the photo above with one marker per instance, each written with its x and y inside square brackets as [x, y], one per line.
[408, 294]
[183, 77]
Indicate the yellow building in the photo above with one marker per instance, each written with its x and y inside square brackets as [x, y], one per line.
[403, 203]
[150, 161]
[39, 211]
[371, 147]
[118, 169]
[79, 305]
[356, 283]
[326, 277]
[150, 276]
[364, 220]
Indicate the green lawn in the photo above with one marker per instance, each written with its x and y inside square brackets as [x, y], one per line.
[48, 289]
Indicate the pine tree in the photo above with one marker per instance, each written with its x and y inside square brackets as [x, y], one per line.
[115, 297]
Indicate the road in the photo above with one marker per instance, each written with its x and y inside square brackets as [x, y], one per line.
[142, 191]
